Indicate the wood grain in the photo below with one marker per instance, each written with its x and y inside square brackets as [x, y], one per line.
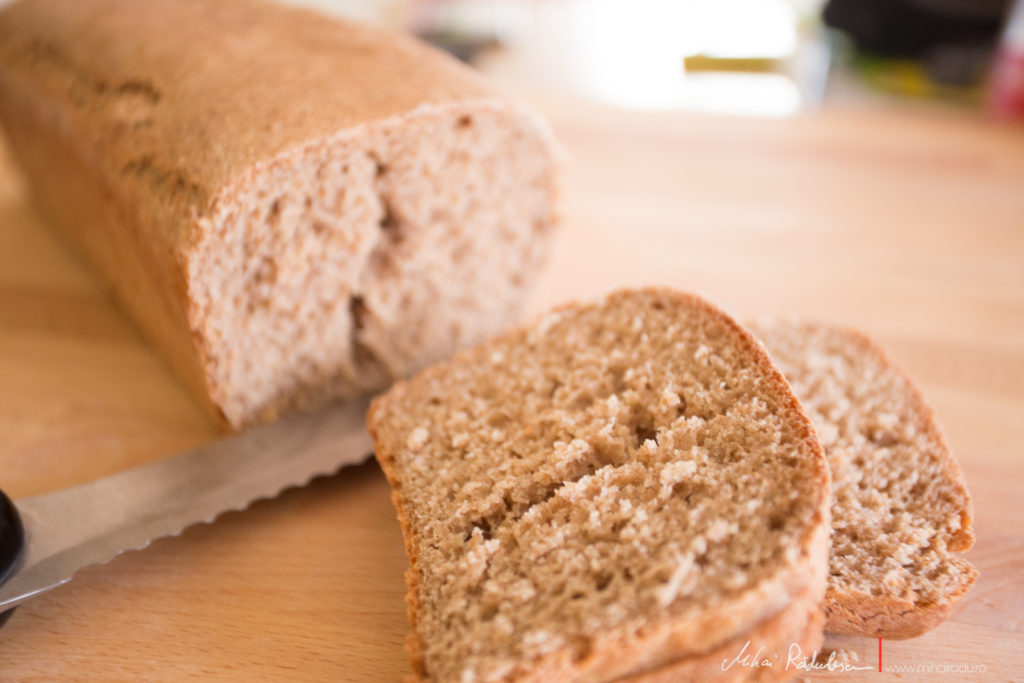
[910, 226]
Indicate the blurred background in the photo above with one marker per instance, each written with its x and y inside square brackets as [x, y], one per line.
[743, 57]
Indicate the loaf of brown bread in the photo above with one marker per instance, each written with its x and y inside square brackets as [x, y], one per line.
[292, 207]
[623, 489]
[902, 513]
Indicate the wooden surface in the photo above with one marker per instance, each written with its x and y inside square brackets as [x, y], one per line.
[910, 226]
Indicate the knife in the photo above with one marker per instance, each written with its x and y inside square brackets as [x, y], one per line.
[45, 539]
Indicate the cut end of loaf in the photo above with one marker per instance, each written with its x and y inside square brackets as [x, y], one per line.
[351, 262]
[617, 487]
[901, 510]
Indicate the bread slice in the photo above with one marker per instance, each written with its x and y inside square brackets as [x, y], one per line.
[774, 650]
[902, 512]
[293, 208]
[620, 487]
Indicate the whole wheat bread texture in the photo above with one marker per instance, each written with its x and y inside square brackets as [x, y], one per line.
[624, 488]
[293, 208]
[902, 513]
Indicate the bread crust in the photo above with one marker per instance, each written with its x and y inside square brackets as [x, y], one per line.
[690, 635]
[856, 613]
[797, 626]
[209, 90]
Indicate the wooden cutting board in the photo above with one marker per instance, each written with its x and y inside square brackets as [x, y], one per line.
[909, 225]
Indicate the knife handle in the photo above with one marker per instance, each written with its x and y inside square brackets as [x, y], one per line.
[12, 543]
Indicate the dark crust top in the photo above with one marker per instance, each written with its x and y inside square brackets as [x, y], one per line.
[188, 95]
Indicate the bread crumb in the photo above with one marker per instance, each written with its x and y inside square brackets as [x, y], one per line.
[669, 398]
[673, 473]
[417, 439]
[682, 581]
[720, 530]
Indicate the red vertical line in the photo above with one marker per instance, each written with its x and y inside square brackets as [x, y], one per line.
[879, 655]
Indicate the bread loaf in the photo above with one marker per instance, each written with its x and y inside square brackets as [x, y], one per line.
[626, 488]
[293, 208]
[902, 513]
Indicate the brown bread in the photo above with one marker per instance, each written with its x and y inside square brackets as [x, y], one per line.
[619, 489]
[902, 513]
[293, 208]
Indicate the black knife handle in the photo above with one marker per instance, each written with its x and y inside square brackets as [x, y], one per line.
[12, 543]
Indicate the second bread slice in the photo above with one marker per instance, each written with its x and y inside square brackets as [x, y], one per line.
[621, 489]
[902, 512]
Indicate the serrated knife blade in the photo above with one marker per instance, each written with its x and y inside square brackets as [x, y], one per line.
[73, 528]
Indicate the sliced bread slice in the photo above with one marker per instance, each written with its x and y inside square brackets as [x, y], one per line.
[779, 648]
[620, 488]
[901, 511]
